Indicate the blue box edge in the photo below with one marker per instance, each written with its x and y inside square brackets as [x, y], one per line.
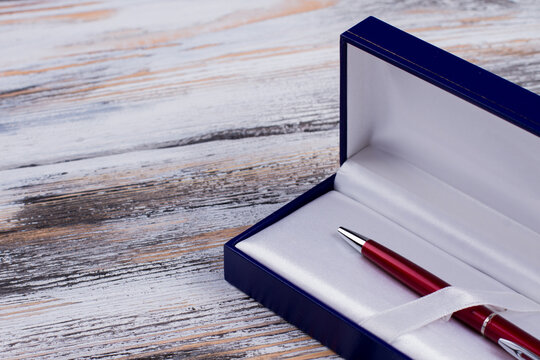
[295, 305]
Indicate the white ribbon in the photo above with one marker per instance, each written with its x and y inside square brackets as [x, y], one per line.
[441, 304]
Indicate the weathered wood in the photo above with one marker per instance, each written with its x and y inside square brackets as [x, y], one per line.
[137, 138]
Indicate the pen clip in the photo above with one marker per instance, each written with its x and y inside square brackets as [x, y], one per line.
[517, 351]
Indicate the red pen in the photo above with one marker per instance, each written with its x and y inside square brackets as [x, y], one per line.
[492, 326]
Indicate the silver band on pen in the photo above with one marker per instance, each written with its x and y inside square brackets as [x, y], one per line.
[486, 322]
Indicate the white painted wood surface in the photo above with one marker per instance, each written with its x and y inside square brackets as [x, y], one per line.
[136, 137]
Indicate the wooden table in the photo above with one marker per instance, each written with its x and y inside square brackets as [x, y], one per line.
[138, 137]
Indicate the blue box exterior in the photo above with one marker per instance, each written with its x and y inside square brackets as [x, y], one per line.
[295, 305]
[457, 76]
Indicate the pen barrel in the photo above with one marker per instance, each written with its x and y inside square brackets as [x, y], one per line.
[423, 282]
[418, 279]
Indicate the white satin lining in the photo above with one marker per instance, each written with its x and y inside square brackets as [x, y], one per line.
[392, 323]
[447, 218]
[305, 248]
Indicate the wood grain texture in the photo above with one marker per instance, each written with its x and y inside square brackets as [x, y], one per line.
[138, 136]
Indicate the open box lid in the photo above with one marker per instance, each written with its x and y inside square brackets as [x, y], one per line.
[438, 67]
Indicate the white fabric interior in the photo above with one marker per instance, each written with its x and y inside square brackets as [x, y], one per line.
[449, 219]
[440, 181]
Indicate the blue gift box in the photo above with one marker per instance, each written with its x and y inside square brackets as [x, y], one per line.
[386, 53]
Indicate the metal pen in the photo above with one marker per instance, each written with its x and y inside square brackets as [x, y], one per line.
[491, 325]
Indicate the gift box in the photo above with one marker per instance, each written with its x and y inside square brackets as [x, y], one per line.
[439, 162]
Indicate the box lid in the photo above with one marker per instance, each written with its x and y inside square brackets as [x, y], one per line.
[461, 124]
[442, 69]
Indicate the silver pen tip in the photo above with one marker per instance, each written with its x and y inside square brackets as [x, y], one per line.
[516, 350]
[353, 237]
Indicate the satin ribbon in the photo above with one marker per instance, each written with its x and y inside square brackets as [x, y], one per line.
[441, 304]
